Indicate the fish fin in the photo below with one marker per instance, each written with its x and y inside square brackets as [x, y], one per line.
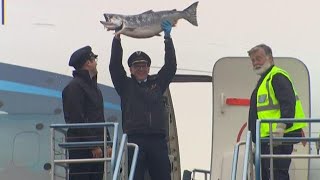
[148, 12]
[158, 34]
[190, 13]
[129, 28]
[174, 10]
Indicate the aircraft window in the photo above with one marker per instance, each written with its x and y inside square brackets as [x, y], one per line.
[39, 126]
[47, 166]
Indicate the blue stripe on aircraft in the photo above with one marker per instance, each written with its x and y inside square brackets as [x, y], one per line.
[29, 89]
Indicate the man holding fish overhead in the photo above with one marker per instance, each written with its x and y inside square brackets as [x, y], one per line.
[145, 113]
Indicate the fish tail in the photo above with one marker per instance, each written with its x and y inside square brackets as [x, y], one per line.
[191, 13]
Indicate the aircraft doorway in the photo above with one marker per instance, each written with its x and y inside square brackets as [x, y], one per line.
[192, 100]
[233, 81]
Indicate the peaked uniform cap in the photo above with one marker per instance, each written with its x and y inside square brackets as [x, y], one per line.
[80, 56]
[139, 56]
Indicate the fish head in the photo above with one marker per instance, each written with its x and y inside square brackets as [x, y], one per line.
[113, 21]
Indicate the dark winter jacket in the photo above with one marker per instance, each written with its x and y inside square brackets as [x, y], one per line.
[83, 103]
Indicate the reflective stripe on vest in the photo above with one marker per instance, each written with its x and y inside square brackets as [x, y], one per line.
[268, 106]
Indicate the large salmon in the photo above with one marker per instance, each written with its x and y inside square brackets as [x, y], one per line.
[148, 24]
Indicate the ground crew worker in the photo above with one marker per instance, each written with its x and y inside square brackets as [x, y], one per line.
[273, 98]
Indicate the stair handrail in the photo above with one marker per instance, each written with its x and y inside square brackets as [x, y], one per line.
[61, 129]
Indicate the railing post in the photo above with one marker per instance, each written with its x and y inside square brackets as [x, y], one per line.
[234, 162]
[247, 156]
[114, 147]
[118, 162]
[105, 151]
[134, 160]
[271, 151]
[52, 154]
[258, 150]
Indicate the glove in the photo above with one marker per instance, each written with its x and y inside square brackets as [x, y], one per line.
[97, 152]
[166, 27]
[278, 133]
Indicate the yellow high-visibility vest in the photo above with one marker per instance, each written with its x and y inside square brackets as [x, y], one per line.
[268, 106]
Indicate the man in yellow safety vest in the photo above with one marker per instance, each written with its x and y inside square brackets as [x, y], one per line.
[273, 98]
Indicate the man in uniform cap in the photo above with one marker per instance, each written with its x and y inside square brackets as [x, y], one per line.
[137, 57]
[145, 115]
[83, 103]
[80, 56]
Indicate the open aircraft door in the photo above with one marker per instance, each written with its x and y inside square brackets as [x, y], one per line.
[233, 82]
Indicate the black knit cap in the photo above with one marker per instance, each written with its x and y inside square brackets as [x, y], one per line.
[80, 56]
[139, 56]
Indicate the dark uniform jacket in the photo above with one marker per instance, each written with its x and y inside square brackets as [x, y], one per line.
[144, 108]
[284, 92]
[83, 103]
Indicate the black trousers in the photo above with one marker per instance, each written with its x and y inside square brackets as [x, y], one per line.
[280, 166]
[84, 171]
[153, 156]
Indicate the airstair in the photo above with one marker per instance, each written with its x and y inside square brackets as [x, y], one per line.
[251, 165]
[115, 167]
